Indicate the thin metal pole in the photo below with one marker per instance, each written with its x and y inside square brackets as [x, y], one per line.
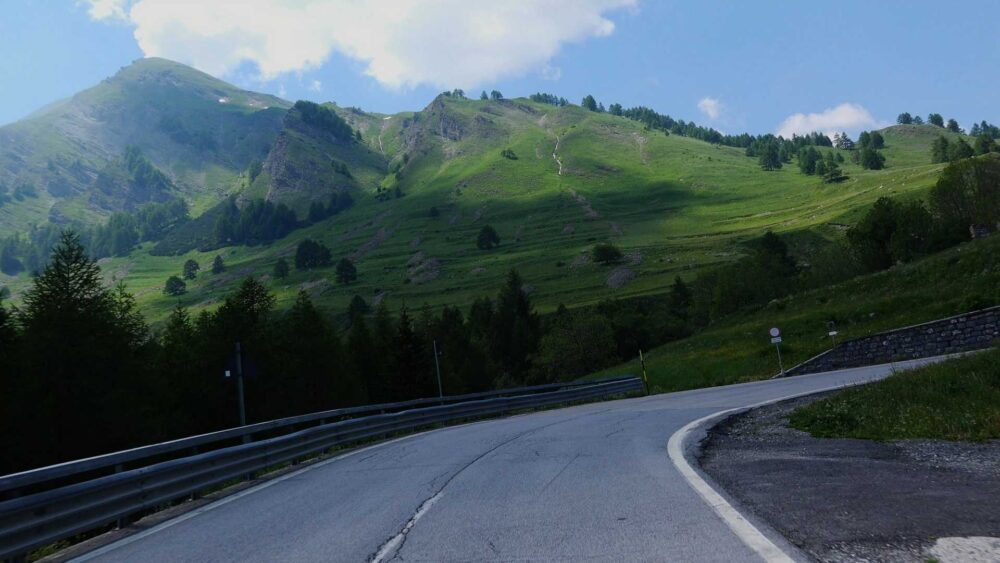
[239, 384]
[781, 366]
[437, 366]
[645, 380]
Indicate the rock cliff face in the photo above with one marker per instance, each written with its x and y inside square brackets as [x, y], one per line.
[970, 331]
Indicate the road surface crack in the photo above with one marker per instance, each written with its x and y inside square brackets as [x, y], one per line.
[390, 549]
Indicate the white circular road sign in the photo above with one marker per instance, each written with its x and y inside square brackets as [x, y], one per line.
[775, 332]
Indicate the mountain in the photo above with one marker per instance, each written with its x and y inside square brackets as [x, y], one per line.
[552, 180]
[199, 131]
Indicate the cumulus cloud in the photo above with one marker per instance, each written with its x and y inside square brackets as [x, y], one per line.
[711, 107]
[845, 117]
[445, 43]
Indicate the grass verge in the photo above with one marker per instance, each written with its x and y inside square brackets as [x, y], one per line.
[954, 400]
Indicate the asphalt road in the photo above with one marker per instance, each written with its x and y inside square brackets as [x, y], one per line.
[586, 483]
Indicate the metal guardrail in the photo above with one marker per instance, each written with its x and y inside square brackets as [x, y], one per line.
[39, 518]
[12, 484]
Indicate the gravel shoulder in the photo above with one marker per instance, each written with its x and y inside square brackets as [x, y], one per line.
[850, 500]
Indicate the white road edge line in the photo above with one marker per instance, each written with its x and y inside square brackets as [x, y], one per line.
[743, 528]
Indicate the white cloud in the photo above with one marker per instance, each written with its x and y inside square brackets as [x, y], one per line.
[845, 117]
[105, 9]
[316, 86]
[711, 107]
[445, 43]
[281, 91]
[549, 72]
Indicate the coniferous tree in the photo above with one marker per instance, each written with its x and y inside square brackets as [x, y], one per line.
[940, 150]
[952, 126]
[312, 254]
[346, 271]
[871, 159]
[961, 150]
[191, 269]
[484, 96]
[935, 119]
[904, 118]
[985, 144]
[175, 286]
[218, 264]
[679, 298]
[280, 269]
[515, 327]
[488, 238]
[84, 344]
[832, 172]
[769, 158]
[357, 308]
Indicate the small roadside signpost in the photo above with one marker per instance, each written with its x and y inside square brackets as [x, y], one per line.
[832, 326]
[437, 367]
[775, 333]
[645, 380]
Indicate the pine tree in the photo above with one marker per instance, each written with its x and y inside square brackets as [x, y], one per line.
[515, 327]
[175, 286]
[280, 269]
[346, 271]
[488, 238]
[679, 298]
[218, 265]
[769, 158]
[191, 269]
[961, 150]
[940, 150]
[985, 144]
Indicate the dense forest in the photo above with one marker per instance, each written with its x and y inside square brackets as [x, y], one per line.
[84, 374]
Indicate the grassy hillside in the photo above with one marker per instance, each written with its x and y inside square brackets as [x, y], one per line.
[674, 205]
[738, 349]
[955, 400]
[199, 130]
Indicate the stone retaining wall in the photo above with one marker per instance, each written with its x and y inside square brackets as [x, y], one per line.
[961, 333]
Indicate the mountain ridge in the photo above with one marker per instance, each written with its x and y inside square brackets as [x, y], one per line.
[552, 179]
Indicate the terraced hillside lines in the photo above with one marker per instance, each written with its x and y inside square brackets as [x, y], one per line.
[737, 349]
[552, 181]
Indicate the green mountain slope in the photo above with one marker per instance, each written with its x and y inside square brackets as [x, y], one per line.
[198, 130]
[553, 181]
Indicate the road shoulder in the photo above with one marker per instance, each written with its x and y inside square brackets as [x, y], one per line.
[841, 500]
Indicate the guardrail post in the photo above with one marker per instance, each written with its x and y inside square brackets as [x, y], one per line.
[123, 521]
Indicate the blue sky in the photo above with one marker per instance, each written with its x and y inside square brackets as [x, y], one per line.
[737, 66]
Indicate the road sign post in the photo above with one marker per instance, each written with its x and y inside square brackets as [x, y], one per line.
[645, 380]
[776, 340]
[437, 366]
[239, 385]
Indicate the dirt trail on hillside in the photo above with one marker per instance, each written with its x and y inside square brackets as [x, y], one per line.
[555, 155]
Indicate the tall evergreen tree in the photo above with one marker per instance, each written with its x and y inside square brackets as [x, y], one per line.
[516, 327]
[191, 269]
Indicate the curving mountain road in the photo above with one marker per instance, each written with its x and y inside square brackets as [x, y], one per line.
[587, 483]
